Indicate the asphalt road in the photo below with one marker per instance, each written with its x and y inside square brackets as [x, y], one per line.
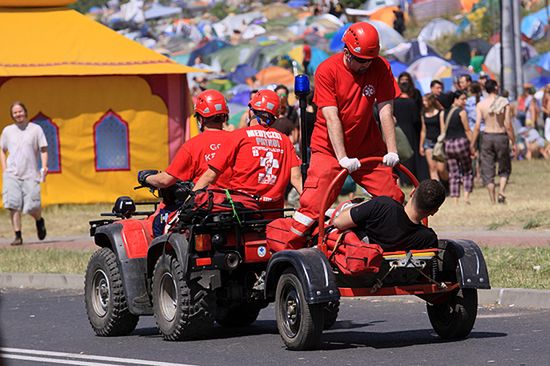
[41, 327]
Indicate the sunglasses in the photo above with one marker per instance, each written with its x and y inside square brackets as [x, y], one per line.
[361, 60]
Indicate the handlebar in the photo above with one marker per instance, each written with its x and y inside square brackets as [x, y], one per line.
[340, 177]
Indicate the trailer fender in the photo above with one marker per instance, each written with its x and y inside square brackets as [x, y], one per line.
[313, 270]
[471, 269]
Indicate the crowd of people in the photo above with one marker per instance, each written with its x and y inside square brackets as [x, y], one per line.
[482, 131]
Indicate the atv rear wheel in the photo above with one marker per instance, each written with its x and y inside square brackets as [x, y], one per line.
[238, 316]
[104, 296]
[455, 318]
[183, 309]
[300, 324]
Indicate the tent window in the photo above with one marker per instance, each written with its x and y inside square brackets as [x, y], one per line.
[52, 136]
[111, 142]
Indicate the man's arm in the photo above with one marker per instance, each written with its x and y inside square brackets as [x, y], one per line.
[476, 128]
[509, 127]
[343, 221]
[161, 180]
[207, 178]
[3, 160]
[387, 124]
[44, 160]
[335, 131]
[296, 178]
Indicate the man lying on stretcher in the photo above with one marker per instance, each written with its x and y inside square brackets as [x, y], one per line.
[393, 226]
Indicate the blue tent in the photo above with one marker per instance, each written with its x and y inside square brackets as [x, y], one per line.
[160, 11]
[297, 3]
[336, 43]
[317, 56]
[207, 49]
[397, 67]
[241, 73]
[533, 25]
[241, 98]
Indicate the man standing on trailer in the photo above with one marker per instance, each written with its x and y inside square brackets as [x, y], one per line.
[347, 86]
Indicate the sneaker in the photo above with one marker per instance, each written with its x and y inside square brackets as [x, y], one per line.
[17, 241]
[41, 229]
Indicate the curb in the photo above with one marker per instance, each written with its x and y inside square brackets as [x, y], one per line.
[524, 298]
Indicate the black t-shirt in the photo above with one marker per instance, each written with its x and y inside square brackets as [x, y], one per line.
[455, 129]
[385, 222]
[433, 129]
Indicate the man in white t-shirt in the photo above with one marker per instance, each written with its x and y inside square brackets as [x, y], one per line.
[21, 143]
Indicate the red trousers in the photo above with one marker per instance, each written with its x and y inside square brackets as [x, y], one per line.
[376, 178]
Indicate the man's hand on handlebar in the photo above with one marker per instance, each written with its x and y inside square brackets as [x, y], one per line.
[391, 159]
[142, 177]
[351, 164]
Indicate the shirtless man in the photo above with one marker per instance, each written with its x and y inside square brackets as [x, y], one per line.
[497, 138]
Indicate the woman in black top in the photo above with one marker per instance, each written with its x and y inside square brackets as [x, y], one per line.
[432, 125]
[457, 147]
[407, 118]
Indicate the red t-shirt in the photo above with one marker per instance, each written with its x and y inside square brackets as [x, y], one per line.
[354, 95]
[192, 158]
[261, 158]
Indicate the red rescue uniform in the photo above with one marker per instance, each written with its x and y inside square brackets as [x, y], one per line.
[192, 158]
[355, 96]
[261, 159]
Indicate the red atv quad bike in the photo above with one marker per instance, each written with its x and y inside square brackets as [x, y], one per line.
[208, 266]
[307, 292]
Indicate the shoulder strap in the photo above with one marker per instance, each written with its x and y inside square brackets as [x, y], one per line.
[448, 119]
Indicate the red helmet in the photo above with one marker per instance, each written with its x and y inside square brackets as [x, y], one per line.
[265, 101]
[211, 103]
[362, 40]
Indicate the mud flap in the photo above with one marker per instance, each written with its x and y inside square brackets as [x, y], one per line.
[313, 270]
[471, 269]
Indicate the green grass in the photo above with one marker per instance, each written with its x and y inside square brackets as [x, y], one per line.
[508, 267]
[44, 260]
[518, 267]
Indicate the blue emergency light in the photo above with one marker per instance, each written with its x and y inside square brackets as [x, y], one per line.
[301, 85]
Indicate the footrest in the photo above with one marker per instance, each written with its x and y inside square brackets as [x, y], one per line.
[413, 258]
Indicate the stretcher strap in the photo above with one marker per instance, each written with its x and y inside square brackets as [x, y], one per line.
[232, 206]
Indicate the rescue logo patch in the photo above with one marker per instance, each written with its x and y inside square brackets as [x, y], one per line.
[369, 90]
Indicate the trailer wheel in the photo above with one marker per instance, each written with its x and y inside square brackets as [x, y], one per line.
[300, 324]
[455, 318]
[104, 296]
[183, 309]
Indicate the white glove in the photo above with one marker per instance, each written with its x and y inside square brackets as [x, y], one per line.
[391, 159]
[350, 164]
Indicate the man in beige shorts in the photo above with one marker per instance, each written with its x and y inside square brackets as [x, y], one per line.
[497, 139]
[21, 143]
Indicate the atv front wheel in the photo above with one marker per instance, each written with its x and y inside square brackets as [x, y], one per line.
[300, 324]
[104, 296]
[455, 318]
[183, 309]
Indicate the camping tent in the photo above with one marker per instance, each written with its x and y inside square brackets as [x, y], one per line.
[87, 85]
[408, 52]
[492, 60]
[534, 25]
[436, 29]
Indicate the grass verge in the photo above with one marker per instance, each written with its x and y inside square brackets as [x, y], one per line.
[44, 260]
[508, 267]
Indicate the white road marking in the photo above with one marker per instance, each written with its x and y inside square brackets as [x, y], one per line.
[133, 361]
[55, 360]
